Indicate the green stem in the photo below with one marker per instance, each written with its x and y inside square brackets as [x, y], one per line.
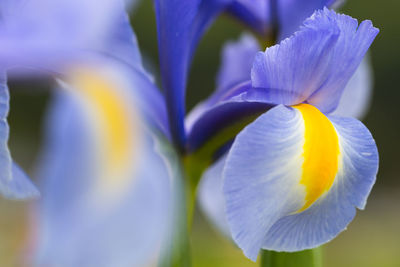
[305, 258]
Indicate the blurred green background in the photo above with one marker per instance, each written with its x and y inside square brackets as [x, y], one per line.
[372, 239]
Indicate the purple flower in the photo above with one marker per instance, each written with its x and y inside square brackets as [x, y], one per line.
[293, 177]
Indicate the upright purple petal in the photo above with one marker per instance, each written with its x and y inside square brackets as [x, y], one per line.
[315, 64]
[180, 25]
[237, 60]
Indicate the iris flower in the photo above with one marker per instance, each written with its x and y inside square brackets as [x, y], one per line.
[292, 177]
[271, 20]
[106, 169]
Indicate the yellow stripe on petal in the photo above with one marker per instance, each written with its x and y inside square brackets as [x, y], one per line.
[116, 129]
[320, 152]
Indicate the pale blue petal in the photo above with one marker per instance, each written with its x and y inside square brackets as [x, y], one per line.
[331, 214]
[211, 198]
[76, 225]
[237, 60]
[77, 28]
[315, 64]
[259, 180]
[148, 98]
[121, 41]
[356, 97]
[261, 184]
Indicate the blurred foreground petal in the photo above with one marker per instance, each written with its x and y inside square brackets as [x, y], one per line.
[106, 187]
[50, 33]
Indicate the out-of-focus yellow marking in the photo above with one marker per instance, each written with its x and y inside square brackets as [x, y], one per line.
[320, 152]
[117, 126]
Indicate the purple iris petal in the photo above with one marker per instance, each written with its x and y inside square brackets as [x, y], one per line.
[237, 60]
[315, 64]
[180, 26]
[220, 111]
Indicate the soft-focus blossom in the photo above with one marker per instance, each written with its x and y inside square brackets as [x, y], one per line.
[293, 177]
[49, 34]
[105, 179]
[28, 40]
